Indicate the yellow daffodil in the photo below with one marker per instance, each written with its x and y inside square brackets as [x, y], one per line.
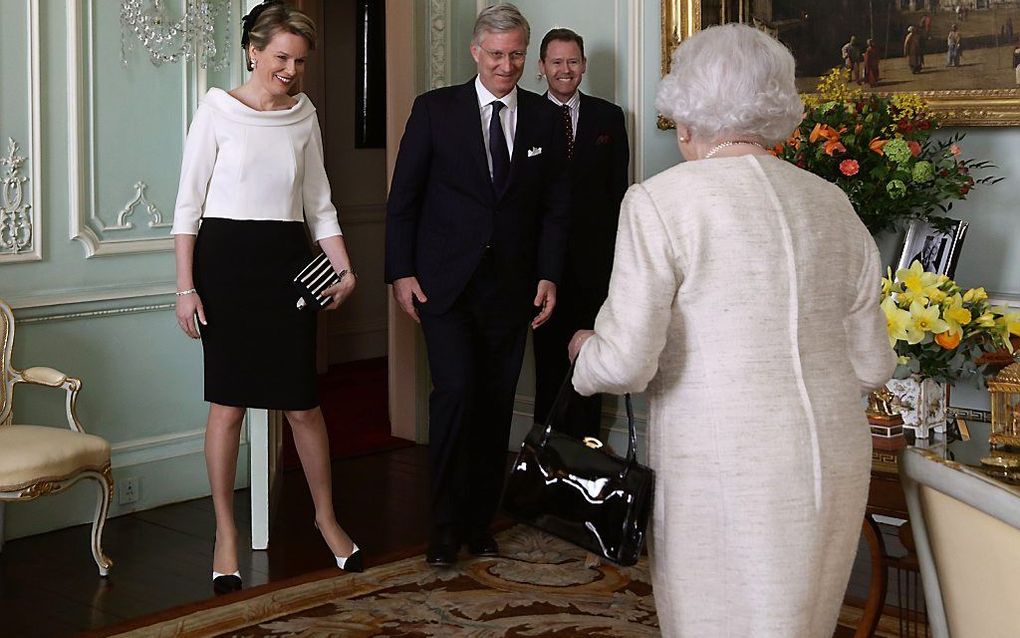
[986, 320]
[975, 295]
[897, 322]
[1012, 321]
[915, 278]
[936, 295]
[926, 319]
[1009, 325]
[887, 286]
[955, 314]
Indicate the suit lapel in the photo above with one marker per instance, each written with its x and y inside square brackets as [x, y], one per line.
[586, 124]
[468, 105]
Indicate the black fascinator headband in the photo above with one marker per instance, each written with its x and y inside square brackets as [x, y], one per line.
[248, 21]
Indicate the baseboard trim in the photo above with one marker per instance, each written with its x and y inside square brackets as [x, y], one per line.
[157, 448]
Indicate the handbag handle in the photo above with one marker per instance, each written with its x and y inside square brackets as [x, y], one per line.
[558, 412]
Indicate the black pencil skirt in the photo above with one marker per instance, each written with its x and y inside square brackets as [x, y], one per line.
[259, 348]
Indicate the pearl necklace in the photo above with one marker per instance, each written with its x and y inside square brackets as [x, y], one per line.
[718, 147]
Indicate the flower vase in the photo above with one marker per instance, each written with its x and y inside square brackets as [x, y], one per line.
[922, 404]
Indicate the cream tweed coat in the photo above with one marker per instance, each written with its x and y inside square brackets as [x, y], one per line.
[744, 298]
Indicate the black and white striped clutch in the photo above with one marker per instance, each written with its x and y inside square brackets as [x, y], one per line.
[313, 279]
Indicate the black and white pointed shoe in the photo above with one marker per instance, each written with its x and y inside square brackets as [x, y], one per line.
[226, 583]
[352, 563]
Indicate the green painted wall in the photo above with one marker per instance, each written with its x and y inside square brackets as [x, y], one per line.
[101, 309]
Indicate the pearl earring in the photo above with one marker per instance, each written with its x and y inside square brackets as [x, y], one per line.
[254, 64]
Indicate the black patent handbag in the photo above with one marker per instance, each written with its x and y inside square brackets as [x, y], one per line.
[580, 491]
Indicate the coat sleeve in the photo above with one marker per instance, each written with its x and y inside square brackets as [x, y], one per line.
[196, 170]
[320, 213]
[631, 327]
[872, 357]
[407, 192]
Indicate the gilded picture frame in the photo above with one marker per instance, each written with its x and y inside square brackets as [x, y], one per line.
[989, 38]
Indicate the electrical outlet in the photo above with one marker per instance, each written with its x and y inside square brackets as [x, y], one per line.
[128, 490]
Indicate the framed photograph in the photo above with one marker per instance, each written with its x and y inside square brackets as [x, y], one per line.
[938, 250]
[962, 56]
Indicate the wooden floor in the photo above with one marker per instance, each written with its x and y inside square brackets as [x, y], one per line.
[49, 586]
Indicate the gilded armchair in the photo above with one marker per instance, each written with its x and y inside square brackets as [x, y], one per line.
[38, 460]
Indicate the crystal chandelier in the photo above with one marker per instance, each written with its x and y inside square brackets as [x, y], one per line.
[192, 37]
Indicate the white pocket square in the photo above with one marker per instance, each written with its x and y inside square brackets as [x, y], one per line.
[535, 150]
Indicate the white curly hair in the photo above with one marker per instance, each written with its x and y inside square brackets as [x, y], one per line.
[732, 81]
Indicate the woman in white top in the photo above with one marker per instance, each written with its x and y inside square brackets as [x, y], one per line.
[744, 298]
[252, 175]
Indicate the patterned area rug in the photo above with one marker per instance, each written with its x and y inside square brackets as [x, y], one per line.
[540, 586]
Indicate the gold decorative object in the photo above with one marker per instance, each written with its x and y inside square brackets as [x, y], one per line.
[992, 101]
[885, 421]
[1003, 466]
[1005, 398]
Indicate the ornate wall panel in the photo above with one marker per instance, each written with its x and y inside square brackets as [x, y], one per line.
[20, 141]
[439, 43]
[127, 127]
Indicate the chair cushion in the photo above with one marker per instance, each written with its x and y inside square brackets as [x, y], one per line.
[29, 453]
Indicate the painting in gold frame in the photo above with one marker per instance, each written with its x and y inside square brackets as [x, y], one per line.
[982, 88]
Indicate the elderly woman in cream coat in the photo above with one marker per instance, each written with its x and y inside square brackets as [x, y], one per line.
[745, 301]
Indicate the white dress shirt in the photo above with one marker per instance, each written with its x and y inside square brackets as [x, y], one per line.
[575, 106]
[507, 117]
[240, 163]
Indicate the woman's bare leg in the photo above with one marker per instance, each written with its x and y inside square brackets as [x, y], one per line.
[222, 437]
[312, 445]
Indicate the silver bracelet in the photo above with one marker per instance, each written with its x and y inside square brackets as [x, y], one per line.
[182, 293]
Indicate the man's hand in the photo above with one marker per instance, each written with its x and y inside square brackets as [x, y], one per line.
[546, 300]
[405, 291]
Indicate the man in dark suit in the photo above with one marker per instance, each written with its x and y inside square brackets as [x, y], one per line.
[475, 237]
[598, 157]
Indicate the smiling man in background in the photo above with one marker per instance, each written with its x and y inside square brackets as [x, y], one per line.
[598, 159]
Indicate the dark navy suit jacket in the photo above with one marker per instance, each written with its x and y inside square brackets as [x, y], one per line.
[443, 209]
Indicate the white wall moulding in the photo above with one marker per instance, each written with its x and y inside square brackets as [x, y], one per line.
[1004, 299]
[157, 448]
[20, 199]
[95, 314]
[439, 43]
[17, 223]
[155, 216]
[103, 225]
[97, 298]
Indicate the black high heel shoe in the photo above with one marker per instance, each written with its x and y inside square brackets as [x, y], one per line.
[352, 562]
[226, 583]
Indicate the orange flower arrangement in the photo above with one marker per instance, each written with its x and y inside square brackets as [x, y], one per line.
[880, 151]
